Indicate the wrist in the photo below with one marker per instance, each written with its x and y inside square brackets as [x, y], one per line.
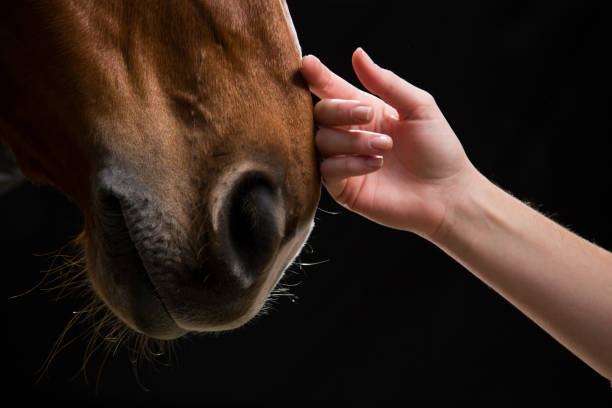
[466, 207]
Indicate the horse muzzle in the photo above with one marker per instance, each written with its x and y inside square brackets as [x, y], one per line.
[166, 271]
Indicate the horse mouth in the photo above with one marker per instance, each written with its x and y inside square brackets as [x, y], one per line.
[139, 302]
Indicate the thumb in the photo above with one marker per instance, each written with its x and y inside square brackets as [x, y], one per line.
[406, 98]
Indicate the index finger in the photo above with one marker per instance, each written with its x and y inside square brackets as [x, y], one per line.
[324, 83]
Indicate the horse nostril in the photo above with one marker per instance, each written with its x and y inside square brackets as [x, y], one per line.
[253, 222]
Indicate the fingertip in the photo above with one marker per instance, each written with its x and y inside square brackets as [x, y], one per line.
[361, 57]
[357, 54]
[311, 70]
[368, 72]
[309, 62]
[359, 51]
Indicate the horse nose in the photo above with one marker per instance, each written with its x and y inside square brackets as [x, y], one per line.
[251, 225]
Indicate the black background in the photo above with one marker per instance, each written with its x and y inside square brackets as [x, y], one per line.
[388, 318]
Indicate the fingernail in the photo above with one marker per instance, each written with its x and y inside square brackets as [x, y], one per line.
[362, 113]
[381, 143]
[374, 162]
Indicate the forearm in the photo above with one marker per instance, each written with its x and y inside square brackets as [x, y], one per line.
[559, 280]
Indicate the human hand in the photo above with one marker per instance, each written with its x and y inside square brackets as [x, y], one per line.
[394, 160]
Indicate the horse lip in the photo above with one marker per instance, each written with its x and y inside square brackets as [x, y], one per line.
[117, 243]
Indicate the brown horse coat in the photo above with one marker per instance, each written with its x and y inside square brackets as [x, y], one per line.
[183, 131]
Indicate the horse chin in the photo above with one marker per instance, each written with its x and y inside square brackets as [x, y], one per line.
[121, 281]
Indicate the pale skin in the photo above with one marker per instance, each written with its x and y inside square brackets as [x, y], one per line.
[394, 159]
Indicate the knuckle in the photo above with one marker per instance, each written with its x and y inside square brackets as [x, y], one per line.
[361, 143]
[427, 98]
[327, 83]
[426, 106]
[351, 166]
[423, 111]
[392, 79]
[347, 165]
[388, 74]
[351, 141]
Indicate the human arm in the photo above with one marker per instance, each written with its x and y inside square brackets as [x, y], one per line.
[559, 280]
[424, 183]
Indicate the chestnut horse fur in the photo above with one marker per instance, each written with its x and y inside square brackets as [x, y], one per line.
[184, 133]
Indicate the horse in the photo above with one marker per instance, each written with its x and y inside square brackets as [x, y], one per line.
[183, 131]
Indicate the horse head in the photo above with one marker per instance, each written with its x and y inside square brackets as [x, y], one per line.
[183, 132]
